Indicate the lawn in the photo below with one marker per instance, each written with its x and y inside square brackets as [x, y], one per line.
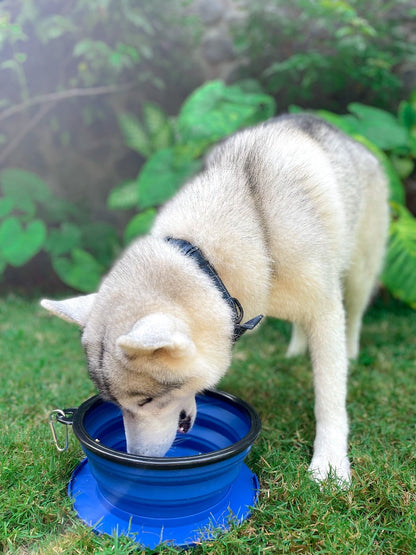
[42, 367]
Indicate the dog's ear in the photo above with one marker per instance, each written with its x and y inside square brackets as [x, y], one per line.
[75, 310]
[155, 332]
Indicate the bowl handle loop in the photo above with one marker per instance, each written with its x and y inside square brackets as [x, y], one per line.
[64, 417]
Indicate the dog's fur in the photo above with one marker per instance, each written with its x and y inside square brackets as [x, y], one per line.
[293, 215]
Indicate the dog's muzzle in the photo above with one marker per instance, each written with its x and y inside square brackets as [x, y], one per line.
[185, 422]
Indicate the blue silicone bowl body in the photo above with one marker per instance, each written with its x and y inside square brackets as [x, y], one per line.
[202, 474]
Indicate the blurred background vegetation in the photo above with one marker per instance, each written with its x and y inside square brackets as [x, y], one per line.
[107, 107]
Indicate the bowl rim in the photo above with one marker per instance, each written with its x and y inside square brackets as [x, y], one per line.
[170, 463]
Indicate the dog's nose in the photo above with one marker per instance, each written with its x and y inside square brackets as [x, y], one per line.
[184, 422]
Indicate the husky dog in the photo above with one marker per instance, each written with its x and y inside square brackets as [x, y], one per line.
[291, 216]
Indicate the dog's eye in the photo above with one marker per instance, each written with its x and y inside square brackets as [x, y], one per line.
[147, 400]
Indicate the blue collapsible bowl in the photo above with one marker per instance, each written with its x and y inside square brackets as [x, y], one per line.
[201, 484]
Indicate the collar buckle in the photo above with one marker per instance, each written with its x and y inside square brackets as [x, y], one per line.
[188, 249]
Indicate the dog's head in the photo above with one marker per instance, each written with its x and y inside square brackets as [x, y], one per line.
[150, 367]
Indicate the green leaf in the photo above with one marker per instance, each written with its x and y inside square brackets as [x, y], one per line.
[155, 119]
[412, 144]
[102, 240]
[407, 115]
[135, 135]
[18, 245]
[162, 175]
[379, 126]
[164, 138]
[342, 122]
[57, 210]
[63, 240]
[400, 266]
[214, 111]
[124, 196]
[24, 188]
[53, 27]
[91, 49]
[116, 59]
[403, 165]
[80, 271]
[139, 225]
[6, 206]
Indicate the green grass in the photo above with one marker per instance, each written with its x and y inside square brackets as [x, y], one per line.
[42, 367]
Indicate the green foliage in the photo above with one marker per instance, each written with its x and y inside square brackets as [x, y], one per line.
[80, 270]
[174, 146]
[80, 252]
[139, 225]
[380, 127]
[23, 190]
[166, 170]
[82, 64]
[63, 239]
[21, 234]
[17, 243]
[124, 196]
[155, 133]
[107, 38]
[33, 219]
[215, 110]
[328, 52]
[400, 268]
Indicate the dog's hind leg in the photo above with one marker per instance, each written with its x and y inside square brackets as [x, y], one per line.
[358, 289]
[361, 277]
[327, 346]
[298, 342]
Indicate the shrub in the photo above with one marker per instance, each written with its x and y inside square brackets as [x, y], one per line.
[33, 219]
[324, 52]
[67, 69]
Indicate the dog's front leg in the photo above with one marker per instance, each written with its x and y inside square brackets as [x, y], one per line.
[330, 366]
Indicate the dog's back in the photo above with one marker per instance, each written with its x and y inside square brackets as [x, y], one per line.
[289, 205]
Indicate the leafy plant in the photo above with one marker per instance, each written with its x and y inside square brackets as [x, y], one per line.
[174, 146]
[22, 235]
[79, 252]
[400, 268]
[33, 219]
[328, 52]
[81, 65]
[155, 133]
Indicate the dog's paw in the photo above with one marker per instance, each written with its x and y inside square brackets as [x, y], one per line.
[322, 468]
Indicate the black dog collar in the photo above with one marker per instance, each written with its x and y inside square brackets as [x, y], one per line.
[188, 249]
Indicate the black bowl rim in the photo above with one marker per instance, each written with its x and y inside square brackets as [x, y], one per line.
[166, 463]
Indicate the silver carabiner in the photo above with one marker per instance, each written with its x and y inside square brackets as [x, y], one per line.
[61, 416]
